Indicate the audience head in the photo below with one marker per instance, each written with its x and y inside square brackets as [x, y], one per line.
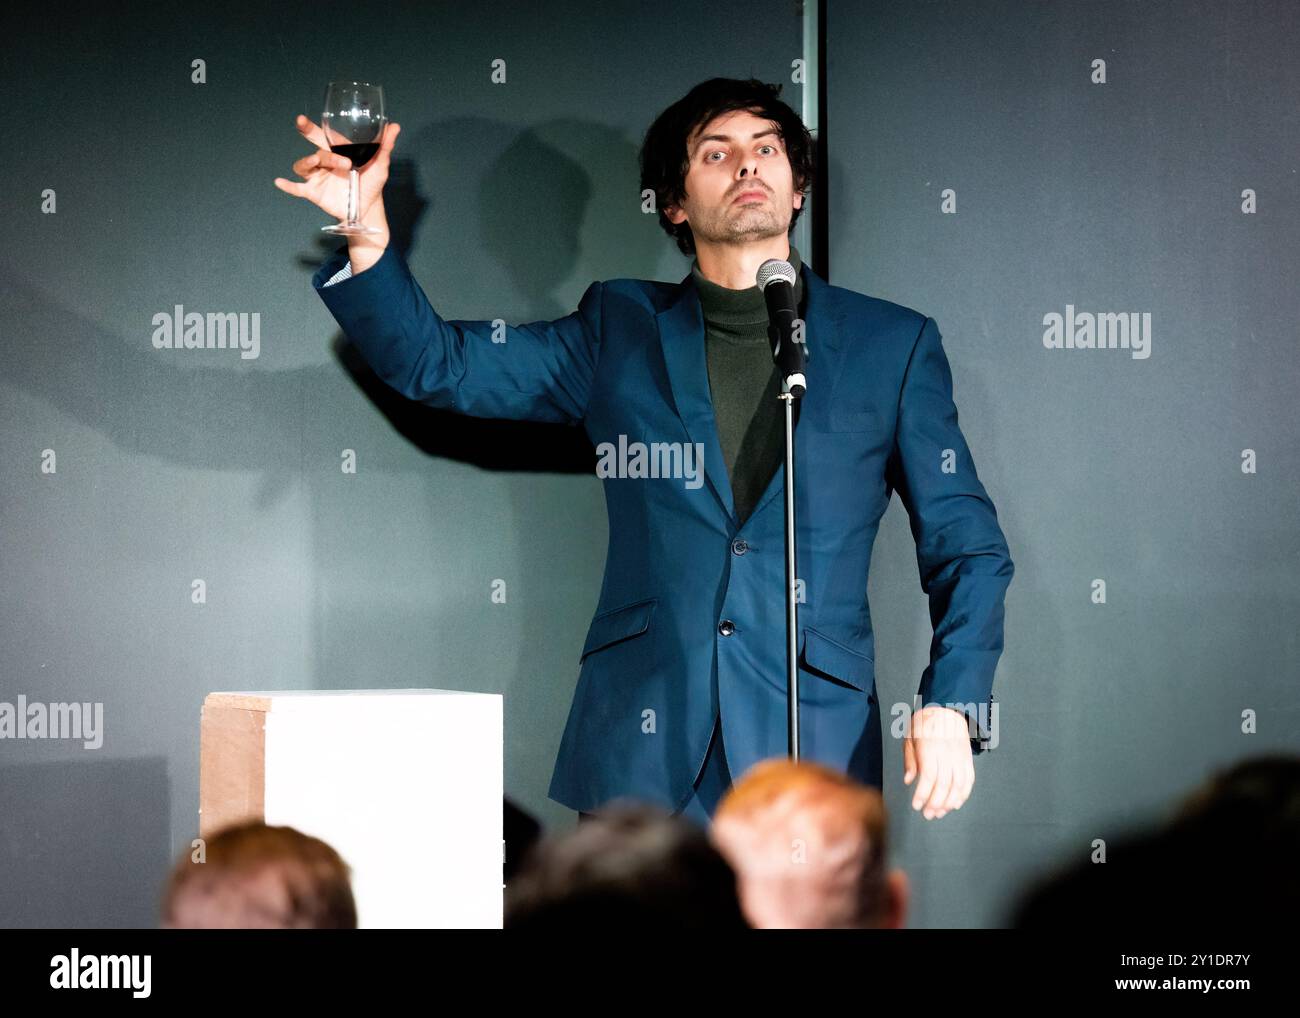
[1261, 793]
[808, 846]
[1225, 858]
[631, 866]
[257, 877]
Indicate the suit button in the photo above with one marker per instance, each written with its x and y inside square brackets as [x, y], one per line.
[740, 546]
[726, 627]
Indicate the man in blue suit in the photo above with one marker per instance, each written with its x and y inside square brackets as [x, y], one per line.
[682, 680]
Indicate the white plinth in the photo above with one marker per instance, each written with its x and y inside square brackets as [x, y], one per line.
[406, 784]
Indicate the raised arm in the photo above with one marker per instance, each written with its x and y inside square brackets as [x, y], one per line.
[539, 371]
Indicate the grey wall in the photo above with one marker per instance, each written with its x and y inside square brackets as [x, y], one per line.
[1124, 196]
[176, 465]
[173, 465]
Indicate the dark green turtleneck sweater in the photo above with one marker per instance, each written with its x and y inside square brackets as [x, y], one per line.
[744, 384]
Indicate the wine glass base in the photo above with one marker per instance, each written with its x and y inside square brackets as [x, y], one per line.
[359, 230]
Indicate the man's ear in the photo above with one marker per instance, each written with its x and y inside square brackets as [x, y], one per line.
[675, 214]
[898, 894]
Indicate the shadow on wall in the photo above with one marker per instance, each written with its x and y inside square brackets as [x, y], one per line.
[552, 201]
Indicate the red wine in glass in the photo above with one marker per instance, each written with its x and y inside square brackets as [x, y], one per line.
[353, 122]
[359, 154]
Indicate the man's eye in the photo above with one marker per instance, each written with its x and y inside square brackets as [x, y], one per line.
[719, 152]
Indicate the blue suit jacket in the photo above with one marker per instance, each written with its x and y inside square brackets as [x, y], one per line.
[656, 667]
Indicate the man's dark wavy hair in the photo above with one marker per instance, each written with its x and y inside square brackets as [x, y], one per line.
[664, 156]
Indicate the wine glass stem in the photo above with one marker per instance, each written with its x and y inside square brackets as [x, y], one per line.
[354, 187]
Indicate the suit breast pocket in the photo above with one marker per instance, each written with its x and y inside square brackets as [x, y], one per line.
[851, 419]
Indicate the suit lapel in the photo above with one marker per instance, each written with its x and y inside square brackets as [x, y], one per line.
[681, 334]
[823, 324]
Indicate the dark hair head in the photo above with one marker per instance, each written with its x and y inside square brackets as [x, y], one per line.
[1262, 792]
[631, 866]
[664, 156]
[1226, 860]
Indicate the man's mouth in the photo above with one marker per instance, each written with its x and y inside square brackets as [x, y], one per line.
[750, 196]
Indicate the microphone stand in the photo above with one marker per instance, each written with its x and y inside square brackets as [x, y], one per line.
[789, 354]
[791, 581]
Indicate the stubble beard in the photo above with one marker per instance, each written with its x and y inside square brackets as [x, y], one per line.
[748, 222]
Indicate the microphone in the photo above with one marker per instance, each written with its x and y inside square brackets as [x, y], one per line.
[776, 280]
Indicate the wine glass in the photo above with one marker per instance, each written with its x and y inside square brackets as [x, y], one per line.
[353, 122]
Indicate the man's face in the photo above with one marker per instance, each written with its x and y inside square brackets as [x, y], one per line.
[732, 155]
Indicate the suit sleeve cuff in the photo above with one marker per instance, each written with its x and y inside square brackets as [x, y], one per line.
[337, 270]
[342, 274]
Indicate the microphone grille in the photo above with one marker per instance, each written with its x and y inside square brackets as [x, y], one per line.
[775, 268]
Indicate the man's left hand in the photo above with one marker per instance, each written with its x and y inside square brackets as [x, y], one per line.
[937, 749]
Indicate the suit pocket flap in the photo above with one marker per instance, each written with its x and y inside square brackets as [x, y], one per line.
[836, 661]
[618, 624]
